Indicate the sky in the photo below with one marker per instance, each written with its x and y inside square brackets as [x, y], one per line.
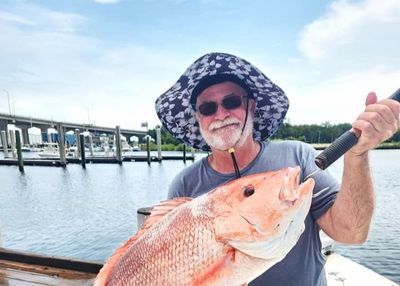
[104, 62]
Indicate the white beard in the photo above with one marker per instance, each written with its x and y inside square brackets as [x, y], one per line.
[222, 135]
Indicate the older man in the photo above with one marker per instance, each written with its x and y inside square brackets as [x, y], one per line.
[224, 103]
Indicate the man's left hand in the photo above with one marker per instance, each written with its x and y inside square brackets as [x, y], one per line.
[379, 121]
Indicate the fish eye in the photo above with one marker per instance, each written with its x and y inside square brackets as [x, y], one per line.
[248, 191]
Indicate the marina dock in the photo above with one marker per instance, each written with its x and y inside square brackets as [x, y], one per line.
[92, 160]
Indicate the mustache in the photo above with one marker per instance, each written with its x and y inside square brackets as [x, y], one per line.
[222, 123]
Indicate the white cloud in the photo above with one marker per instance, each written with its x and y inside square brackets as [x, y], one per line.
[53, 71]
[40, 18]
[350, 50]
[52, 68]
[340, 99]
[354, 35]
[13, 18]
[106, 1]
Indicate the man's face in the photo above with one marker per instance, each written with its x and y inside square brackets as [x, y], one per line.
[223, 129]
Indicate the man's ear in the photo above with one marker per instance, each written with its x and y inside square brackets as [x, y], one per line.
[252, 106]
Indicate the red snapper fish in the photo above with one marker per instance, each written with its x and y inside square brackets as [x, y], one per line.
[228, 236]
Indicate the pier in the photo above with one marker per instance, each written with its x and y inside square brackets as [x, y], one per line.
[92, 160]
[63, 136]
[24, 123]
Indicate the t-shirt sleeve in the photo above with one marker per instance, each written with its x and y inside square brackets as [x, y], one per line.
[176, 188]
[326, 186]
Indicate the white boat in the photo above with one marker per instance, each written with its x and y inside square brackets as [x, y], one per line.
[26, 148]
[49, 154]
[125, 147]
[29, 148]
[50, 150]
[340, 270]
[72, 151]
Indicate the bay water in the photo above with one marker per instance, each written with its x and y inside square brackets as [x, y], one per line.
[87, 214]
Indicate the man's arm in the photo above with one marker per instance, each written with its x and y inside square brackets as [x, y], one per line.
[349, 218]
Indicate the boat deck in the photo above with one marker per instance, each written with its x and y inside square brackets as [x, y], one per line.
[19, 269]
[20, 274]
[22, 269]
[341, 271]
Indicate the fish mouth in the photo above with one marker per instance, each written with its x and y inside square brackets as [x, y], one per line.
[277, 245]
[290, 187]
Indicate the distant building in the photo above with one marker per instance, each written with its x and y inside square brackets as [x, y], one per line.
[70, 138]
[34, 135]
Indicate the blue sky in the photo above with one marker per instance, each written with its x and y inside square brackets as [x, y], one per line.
[105, 62]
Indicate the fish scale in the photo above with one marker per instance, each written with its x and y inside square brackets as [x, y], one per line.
[179, 247]
[225, 237]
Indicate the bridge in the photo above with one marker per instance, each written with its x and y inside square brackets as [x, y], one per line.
[25, 123]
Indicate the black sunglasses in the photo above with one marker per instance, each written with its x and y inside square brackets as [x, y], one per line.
[229, 102]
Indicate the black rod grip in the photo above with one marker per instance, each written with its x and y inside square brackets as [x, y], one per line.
[342, 144]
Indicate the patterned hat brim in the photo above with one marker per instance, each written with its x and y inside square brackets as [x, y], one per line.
[177, 114]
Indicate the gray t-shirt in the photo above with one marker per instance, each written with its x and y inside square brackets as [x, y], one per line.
[304, 264]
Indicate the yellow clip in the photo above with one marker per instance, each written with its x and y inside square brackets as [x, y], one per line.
[231, 150]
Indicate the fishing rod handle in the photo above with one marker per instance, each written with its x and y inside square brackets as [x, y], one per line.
[342, 144]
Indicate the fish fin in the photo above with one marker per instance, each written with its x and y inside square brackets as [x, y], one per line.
[157, 212]
[162, 209]
[212, 273]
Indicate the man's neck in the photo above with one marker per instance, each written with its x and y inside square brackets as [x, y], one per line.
[221, 161]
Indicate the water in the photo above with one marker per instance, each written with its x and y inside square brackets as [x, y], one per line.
[86, 214]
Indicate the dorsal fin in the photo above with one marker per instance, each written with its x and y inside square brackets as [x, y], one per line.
[162, 209]
[157, 212]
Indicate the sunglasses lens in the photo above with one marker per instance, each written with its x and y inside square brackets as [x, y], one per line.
[232, 102]
[229, 102]
[208, 108]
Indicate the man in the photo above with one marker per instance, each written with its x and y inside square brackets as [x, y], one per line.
[223, 102]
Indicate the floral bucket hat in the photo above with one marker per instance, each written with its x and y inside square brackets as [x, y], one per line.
[175, 107]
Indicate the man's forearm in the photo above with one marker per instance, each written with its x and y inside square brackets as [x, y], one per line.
[349, 218]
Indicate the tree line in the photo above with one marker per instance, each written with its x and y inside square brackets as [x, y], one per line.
[309, 133]
[313, 133]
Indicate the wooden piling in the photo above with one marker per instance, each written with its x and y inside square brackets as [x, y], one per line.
[61, 146]
[78, 145]
[184, 153]
[91, 145]
[82, 145]
[158, 134]
[148, 149]
[25, 135]
[4, 143]
[117, 143]
[19, 151]
[12, 142]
